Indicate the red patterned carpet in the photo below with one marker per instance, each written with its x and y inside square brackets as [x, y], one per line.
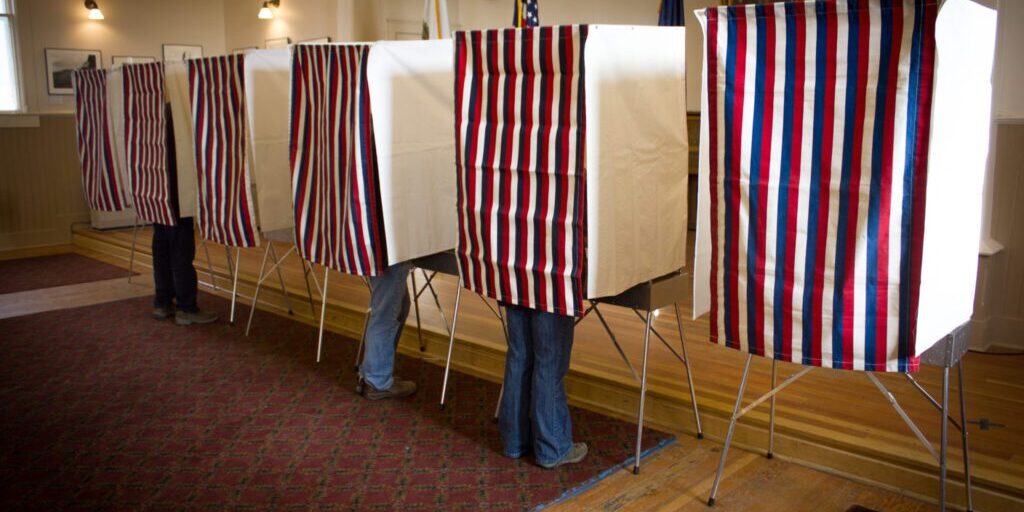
[103, 408]
[57, 270]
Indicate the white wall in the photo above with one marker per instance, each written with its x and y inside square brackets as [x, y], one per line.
[295, 19]
[131, 27]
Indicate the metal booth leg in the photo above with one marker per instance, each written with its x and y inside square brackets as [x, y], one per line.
[259, 284]
[944, 449]
[209, 264]
[771, 417]
[306, 271]
[362, 337]
[689, 373]
[234, 286]
[451, 342]
[732, 428]
[643, 393]
[416, 305]
[280, 278]
[501, 391]
[963, 432]
[323, 313]
[131, 255]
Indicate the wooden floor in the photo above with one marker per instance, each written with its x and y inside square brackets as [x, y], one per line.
[836, 422]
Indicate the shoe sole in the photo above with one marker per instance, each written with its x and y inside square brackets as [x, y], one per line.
[182, 321]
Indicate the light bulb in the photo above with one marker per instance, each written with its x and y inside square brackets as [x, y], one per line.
[95, 14]
[265, 13]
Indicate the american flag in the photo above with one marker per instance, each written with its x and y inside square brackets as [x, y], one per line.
[526, 14]
[814, 151]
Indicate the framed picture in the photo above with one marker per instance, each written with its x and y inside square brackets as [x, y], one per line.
[182, 52]
[318, 40]
[130, 59]
[279, 42]
[62, 62]
[243, 49]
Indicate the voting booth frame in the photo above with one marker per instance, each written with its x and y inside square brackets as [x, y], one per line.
[946, 354]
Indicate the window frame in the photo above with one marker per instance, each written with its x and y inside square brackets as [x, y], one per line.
[19, 83]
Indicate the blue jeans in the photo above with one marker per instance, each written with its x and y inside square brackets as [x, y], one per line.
[534, 412]
[389, 305]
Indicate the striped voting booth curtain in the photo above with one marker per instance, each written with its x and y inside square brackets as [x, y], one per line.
[817, 142]
[100, 179]
[145, 128]
[520, 146]
[335, 186]
[225, 204]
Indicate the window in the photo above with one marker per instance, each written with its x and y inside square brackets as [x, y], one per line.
[10, 95]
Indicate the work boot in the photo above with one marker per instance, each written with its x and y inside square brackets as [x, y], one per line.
[195, 317]
[398, 389]
[163, 312]
[576, 454]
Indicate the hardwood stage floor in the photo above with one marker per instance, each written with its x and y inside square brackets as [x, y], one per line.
[834, 421]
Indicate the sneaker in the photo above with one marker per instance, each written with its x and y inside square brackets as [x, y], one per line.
[163, 313]
[576, 454]
[195, 317]
[398, 389]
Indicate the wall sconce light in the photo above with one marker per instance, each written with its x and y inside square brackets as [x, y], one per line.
[265, 12]
[94, 10]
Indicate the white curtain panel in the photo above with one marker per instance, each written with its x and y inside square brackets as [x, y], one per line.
[176, 87]
[268, 110]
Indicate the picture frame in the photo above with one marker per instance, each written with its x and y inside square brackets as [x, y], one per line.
[277, 42]
[61, 64]
[181, 52]
[130, 59]
[316, 40]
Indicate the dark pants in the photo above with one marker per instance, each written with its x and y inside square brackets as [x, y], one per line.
[534, 413]
[174, 248]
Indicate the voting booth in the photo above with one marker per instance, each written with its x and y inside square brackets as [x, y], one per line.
[572, 171]
[371, 148]
[572, 160]
[102, 181]
[834, 138]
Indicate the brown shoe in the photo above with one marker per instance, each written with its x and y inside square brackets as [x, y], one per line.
[197, 317]
[398, 389]
[576, 454]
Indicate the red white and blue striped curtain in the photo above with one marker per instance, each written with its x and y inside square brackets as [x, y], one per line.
[100, 179]
[145, 127]
[520, 156]
[338, 219]
[225, 204]
[816, 144]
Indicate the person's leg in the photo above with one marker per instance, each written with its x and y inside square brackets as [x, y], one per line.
[182, 254]
[389, 305]
[514, 411]
[552, 426]
[163, 278]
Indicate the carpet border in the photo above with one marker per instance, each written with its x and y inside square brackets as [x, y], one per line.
[588, 484]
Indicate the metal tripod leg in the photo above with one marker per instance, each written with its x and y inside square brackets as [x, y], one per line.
[643, 393]
[259, 285]
[732, 428]
[234, 287]
[209, 264]
[501, 392]
[306, 271]
[451, 342]
[416, 305]
[366, 323]
[280, 278]
[323, 313]
[689, 373]
[963, 433]
[131, 255]
[944, 449]
[771, 417]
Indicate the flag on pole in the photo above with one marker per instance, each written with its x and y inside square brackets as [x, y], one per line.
[672, 13]
[435, 20]
[526, 14]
